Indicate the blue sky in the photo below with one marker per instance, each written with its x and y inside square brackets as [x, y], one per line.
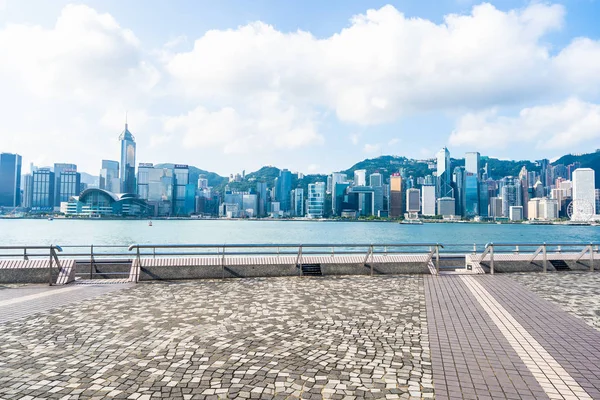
[312, 86]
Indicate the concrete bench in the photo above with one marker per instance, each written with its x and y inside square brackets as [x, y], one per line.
[36, 271]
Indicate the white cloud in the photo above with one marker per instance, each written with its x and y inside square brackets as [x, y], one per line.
[372, 148]
[393, 142]
[354, 138]
[556, 126]
[385, 65]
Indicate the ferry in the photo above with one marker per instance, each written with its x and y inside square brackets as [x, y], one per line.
[412, 222]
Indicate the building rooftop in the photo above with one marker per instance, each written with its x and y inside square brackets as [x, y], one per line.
[126, 135]
[450, 336]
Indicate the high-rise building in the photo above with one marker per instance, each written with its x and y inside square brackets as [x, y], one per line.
[584, 194]
[548, 209]
[363, 197]
[396, 198]
[250, 205]
[284, 188]
[376, 182]
[428, 200]
[375, 179]
[298, 202]
[338, 197]
[525, 183]
[446, 206]
[42, 196]
[127, 174]
[511, 194]
[444, 187]
[496, 207]
[413, 200]
[597, 200]
[473, 164]
[27, 190]
[471, 195]
[484, 199]
[182, 179]
[515, 213]
[360, 177]
[156, 186]
[533, 209]
[460, 191]
[10, 180]
[261, 190]
[62, 194]
[109, 176]
[316, 200]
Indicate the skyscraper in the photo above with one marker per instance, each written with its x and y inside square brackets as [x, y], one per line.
[316, 200]
[584, 194]
[413, 201]
[42, 198]
[360, 177]
[10, 180]
[127, 161]
[298, 201]
[261, 190]
[473, 164]
[66, 182]
[284, 188]
[444, 188]
[396, 198]
[109, 176]
[428, 200]
[182, 179]
[376, 182]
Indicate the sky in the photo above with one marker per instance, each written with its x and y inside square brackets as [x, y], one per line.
[310, 86]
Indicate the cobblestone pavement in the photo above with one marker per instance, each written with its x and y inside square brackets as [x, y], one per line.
[350, 337]
[575, 292]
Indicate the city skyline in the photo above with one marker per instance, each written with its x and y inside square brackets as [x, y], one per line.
[237, 86]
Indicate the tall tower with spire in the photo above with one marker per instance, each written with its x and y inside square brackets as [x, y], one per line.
[127, 161]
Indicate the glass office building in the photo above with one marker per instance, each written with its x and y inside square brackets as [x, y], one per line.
[316, 200]
[42, 193]
[127, 161]
[10, 180]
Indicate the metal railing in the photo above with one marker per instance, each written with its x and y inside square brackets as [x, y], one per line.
[36, 251]
[298, 250]
[542, 248]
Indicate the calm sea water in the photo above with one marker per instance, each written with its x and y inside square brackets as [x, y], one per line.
[85, 232]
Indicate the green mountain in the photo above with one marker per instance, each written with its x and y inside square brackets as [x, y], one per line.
[590, 160]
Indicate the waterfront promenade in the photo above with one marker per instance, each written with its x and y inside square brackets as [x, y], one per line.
[507, 336]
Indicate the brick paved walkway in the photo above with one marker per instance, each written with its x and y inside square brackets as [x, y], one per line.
[452, 337]
[351, 337]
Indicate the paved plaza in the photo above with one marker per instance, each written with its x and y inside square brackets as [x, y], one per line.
[509, 336]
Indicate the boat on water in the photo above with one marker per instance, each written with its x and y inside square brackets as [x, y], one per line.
[50, 219]
[149, 223]
[412, 222]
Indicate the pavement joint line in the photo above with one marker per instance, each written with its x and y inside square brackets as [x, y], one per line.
[36, 296]
[555, 380]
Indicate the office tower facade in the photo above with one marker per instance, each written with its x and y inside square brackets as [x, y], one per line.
[376, 182]
[533, 209]
[428, 200]
[548, 209]
[375, 179]
[156, 186]
[495, 207]
[598, 201]
[471, 195]
[511, 195]
[515, 213]
[67, 186]
[363, 198]
[460, 189]
[473, 164]
[109, 176]
[42, 196]
[127, 173]
[338, 195]
[316, 200]
[413, 200]
[10, 180]
[446, 206]
[484, 199]
[261, 191]
[284, 188]
[396, 198]
[27, 190]
[584, 194]
[360, 177]
[250, 205]
[298, 201]
[59, 196]
[182, 179]
[443, 181]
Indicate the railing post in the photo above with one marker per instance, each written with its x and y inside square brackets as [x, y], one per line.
[492, 259]
[559, 249]
[545, 258]
[437, 258]
[332, 251]
[474, 248]
[517, 249]
[371, 254]
[139, 266]
[50, 267]
[299, 260]
[25, 254]
[591, 257]
[154, 253]
[91, 260]
[223, 263]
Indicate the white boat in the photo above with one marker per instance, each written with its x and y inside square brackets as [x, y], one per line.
[149, 223]
[412, 222]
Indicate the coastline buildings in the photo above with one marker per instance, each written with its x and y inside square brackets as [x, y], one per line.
[316, 200]
[396, 198]
[10, 180]
[109, 176]
[67, 183]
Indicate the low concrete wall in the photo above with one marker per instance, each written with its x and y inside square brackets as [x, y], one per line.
[536, 266]
[26, 275]
[148, 273]
[378, 269]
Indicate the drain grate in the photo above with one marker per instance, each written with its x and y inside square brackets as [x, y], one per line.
[311, 270]
[560, 265]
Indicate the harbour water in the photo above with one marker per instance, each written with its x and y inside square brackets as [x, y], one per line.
[123, 232]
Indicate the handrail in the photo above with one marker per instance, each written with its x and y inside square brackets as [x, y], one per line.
[273, 245]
